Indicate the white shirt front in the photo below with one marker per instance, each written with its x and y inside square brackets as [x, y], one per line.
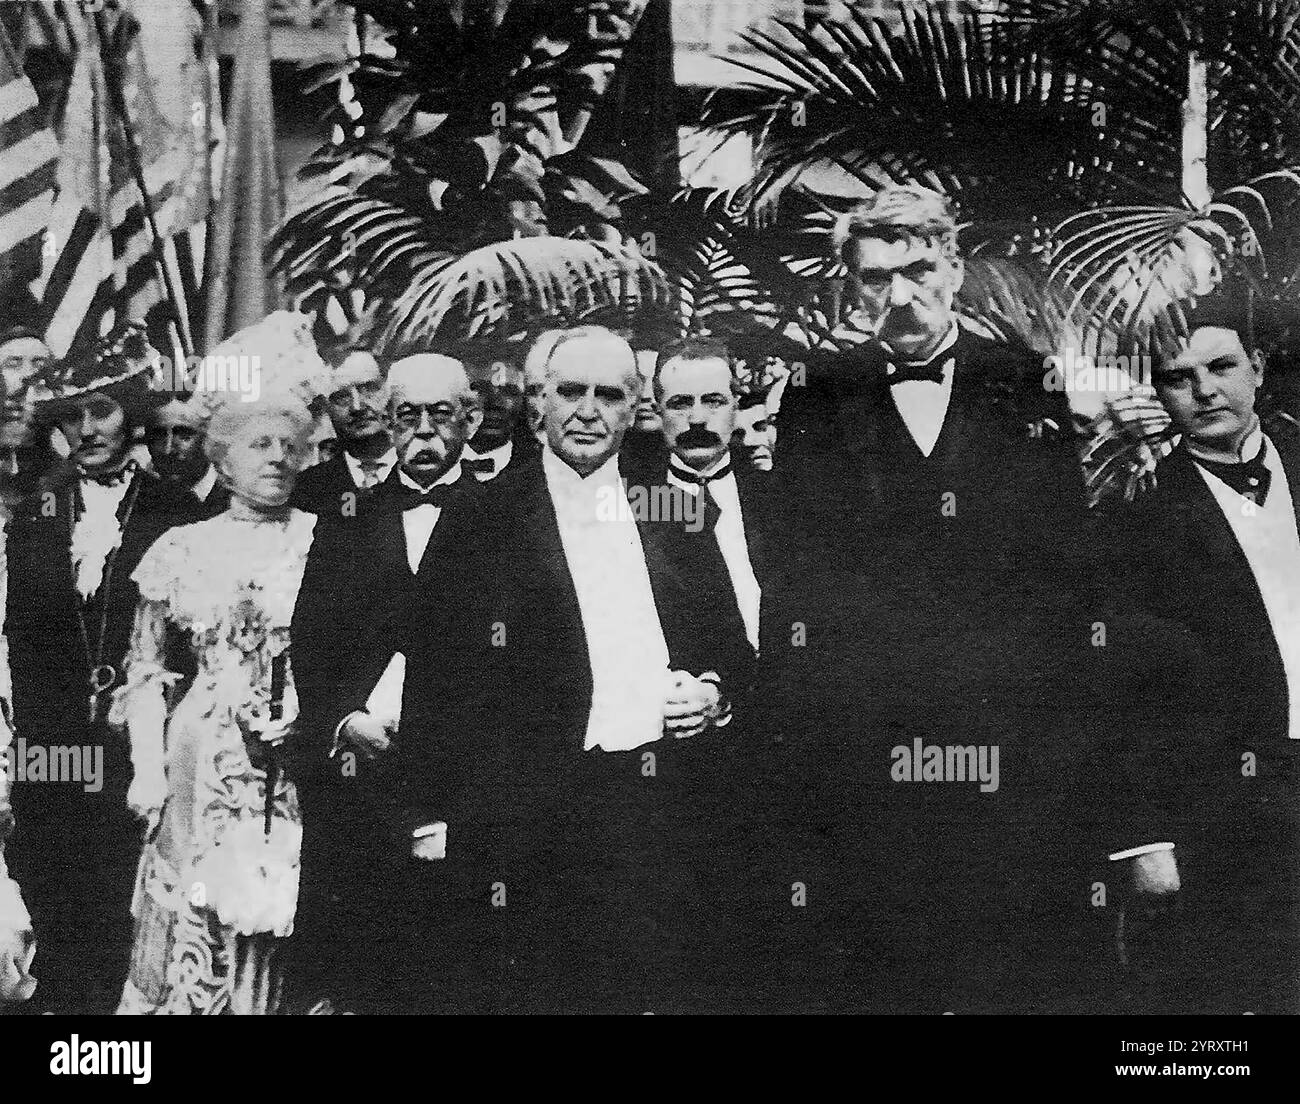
[96, 532]
[418, 522]
[384, 466]
[499, 456]
[625, 641]
[923, 405]
[206, 485]
[1268, 537]
[730, 534]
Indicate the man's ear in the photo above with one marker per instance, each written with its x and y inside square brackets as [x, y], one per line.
[958, 273]
[473, 419]
[1257, 363]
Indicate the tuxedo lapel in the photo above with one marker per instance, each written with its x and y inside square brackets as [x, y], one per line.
[547, 602]
[1201, 527]
[1289, 455]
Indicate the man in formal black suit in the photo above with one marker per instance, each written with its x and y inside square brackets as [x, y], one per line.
[694, 389]
[71, 605]
[503, 438]
[564, 690]
[359, 583]
[929, 496]
[174, 435]
[357, 405]
[1204, 799]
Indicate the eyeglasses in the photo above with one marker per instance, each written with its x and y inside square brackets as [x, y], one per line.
[409, 415]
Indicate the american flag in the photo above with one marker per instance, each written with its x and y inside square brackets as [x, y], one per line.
[29, 156]
[100, 266]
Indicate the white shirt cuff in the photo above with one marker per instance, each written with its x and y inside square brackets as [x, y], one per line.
[1145, 849]
[338, 731]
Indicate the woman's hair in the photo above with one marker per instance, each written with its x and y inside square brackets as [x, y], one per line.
[231, 418]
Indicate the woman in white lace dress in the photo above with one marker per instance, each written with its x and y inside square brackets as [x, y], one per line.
[218, 879]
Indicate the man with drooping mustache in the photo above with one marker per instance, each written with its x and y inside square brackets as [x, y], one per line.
[930, 500]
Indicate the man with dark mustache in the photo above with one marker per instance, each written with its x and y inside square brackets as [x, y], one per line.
[357, 405]
[714, 533]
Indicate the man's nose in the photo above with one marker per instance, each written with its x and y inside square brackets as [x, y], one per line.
[1202, 384]
[900, 290]
[88, 423]
[424, 427]
[275, 452]
[587, 406]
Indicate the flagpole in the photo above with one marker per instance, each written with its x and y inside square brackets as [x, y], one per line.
[113, 81]
[211, 56]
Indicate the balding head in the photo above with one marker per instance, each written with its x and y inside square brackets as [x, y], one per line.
[429, 377]
[434, 413]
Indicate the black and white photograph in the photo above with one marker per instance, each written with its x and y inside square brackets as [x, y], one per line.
[651, 507]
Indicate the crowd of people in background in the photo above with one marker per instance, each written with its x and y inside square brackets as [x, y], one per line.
[586, 676]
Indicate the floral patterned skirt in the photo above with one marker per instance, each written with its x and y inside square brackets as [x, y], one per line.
[185, 962]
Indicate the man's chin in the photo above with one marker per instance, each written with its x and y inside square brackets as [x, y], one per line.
[363, 436]
[701, 457]
[587, 457]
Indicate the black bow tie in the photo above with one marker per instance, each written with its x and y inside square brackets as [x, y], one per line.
[484, 466]
[712, 511]
[407, 498]
[686, 475]
[1250, 479]
[931, 370]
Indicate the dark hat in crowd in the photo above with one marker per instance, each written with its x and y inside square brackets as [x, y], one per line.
[122, 366]
[20, 314]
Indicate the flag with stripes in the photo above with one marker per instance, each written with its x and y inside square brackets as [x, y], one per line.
[102, 268]
[29, 154]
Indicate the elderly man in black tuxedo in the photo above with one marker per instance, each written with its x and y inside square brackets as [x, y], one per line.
[358, 586]
[357, 404]
[930, 499]
[562, 686]
[1204, 794]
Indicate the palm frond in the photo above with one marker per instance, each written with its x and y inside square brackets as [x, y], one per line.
[955, 102]
[509, 285]
[1138, 49]
[1131, 271]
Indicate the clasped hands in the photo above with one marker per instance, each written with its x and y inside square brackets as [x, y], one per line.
[691, 704]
